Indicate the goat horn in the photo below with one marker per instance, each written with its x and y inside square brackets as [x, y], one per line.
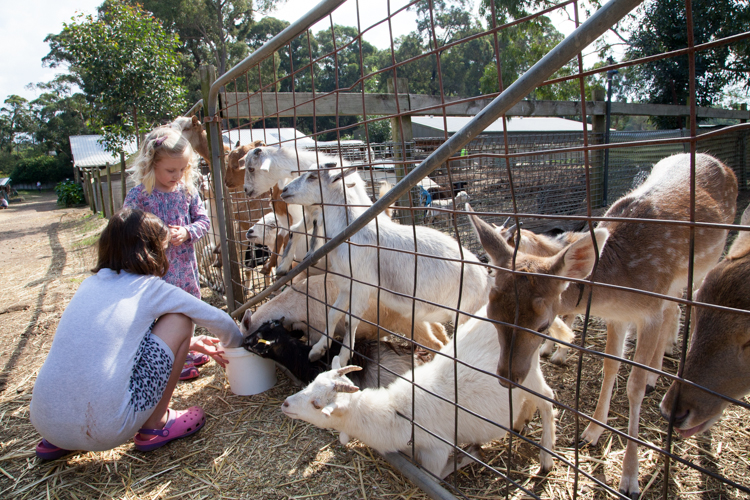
[504, 223]
[342, 387]
[347, 369]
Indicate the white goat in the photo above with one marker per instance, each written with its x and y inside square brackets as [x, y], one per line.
[437, 272]
[372, 415]
[462, 197]
[269, 166]
[267, 229]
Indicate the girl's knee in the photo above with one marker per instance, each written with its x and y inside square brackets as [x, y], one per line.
[174, 329]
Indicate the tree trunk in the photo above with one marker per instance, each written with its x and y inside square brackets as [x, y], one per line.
[137, 132]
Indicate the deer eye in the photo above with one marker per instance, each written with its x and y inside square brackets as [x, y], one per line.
[251, 169]
[316, 405]
[543, 328]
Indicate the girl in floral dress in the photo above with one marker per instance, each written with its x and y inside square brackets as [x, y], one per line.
[166, 176]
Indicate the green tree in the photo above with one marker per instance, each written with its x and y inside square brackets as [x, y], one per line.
[58, 114]
[127, 66]
[661, 26]
[18, 123]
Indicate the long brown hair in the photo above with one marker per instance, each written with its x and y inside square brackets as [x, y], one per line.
[135, 241]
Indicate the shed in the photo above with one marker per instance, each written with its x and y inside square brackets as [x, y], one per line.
[270, 136]
[90, 156]
[433, 126]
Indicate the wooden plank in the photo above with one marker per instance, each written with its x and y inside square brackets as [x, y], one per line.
[350, 104]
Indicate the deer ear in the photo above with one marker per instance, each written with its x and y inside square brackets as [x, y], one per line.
[266, 165]
[495, 245]
[196, 121]
[247, 320]
[577, 260]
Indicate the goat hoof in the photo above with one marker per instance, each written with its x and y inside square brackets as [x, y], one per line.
[543, 471]
[632, 495]
[314, 356]
[650, 389]
[562, 363]
[584, 443]
[280, 273]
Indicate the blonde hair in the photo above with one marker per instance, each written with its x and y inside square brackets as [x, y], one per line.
[164, 142]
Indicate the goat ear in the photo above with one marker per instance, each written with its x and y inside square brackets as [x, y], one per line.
[266, 165]
[495, 245]
[247, 320]
[343, 174]
[328, 409]
[237, 144]
[335, 363]
[577, 260]
[241, 162]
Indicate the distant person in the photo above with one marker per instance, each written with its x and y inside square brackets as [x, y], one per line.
[4, 197]
[165, 174]
[129, 333]
[38, 186]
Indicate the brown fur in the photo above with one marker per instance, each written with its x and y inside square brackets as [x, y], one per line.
[719, 353]
[650, 257]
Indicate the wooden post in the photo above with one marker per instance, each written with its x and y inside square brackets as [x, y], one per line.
[87, 190]
[100, 189]
[109, 189]
[401, 129]
[596, 158]
[233, 276]
[123, 180]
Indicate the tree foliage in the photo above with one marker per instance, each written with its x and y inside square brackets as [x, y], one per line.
[661, 26]
[127, 66]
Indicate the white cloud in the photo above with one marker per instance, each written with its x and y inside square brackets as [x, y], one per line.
[23, 28]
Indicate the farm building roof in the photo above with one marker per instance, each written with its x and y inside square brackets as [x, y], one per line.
[5, 181]
[269, 136]
[426, 124]
[87, 152]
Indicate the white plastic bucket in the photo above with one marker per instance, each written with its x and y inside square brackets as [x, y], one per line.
[248, 373]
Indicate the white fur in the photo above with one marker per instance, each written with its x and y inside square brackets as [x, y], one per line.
[265, 231]
[372, 415]
[446, 204]
[266, 167]
[437, 280]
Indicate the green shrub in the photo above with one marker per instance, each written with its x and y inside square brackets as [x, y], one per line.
[42, 169]
[69, 193]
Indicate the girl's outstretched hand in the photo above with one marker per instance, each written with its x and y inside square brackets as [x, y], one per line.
[179, 235]
[207, 345]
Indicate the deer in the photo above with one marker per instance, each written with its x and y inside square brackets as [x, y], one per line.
[639, 255]
[719, 354]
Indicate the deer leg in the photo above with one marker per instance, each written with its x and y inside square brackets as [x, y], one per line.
[649, 339]
[669, 330]
[561, 329]
[616, 334]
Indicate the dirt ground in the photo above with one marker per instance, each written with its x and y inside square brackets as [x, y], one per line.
[248, 449]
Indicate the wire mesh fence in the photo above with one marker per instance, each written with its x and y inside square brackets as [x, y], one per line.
[410, 275]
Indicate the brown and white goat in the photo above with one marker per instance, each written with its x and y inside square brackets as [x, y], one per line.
[638, 255]
[719, 353]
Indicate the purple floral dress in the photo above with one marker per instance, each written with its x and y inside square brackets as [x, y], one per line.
[177, 208]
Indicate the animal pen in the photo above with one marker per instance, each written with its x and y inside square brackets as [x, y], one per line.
[545, 182]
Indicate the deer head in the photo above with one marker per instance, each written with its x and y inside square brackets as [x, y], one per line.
[530, 302]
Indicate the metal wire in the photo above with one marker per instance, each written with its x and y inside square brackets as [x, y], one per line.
[547, 180]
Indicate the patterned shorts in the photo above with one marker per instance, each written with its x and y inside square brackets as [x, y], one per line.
[151, 371]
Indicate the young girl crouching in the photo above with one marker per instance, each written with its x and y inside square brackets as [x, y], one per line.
[120, 347]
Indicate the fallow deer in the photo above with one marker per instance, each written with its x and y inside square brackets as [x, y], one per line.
[719, 353]
[638, 255]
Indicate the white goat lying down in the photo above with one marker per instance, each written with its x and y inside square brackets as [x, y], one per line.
[296, 310]
[372, 415]
[437, 280]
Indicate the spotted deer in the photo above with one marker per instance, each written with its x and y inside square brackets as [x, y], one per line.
[638, 255]
[719, 353]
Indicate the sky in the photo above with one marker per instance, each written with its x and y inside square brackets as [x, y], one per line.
[25, 25]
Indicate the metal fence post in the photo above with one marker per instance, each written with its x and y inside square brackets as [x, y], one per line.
[596, 158]
[123, 180]
[232, 285]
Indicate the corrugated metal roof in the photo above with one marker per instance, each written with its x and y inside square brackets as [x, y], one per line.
[515, 124]
[270, 137]
[87, 152]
